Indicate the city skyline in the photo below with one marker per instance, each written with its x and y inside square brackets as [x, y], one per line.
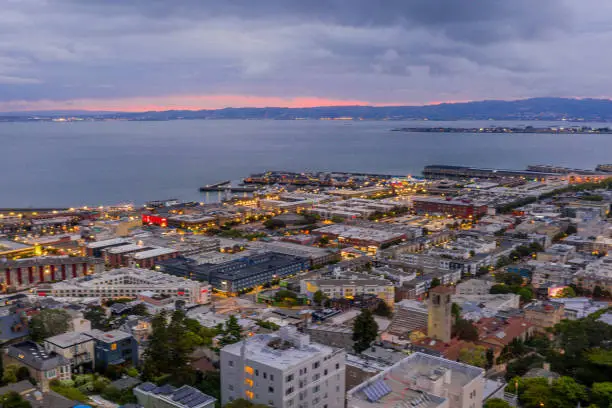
[208, 55]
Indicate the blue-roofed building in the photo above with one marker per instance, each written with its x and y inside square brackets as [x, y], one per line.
[150, 395]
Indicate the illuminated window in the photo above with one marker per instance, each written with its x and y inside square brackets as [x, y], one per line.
[248, 370]
[249, 394]
[248, 382]
[114, 346]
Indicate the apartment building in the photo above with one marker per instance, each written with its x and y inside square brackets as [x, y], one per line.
[43, 366]
[283, 370]
[350, 285]
[24, 273]
[130, 282]
[423, 381]
[77, 348]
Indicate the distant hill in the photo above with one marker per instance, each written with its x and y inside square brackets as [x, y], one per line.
[526, 109]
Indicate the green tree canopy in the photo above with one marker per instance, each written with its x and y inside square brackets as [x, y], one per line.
[365, 330]
[465, 330]
[496, 403]
[13, 400]
[567, 292]
[475, 356]
[601, 394]
[48, 323]
[231, 332]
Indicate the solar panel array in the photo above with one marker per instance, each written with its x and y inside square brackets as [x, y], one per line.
[377, 390]
[190, 397]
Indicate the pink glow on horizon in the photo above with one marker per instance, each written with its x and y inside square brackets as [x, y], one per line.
[194, 102]
[176, 102]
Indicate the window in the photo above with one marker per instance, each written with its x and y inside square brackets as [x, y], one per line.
[316, 389]
[271, 377]
[257, 373]
[337, 366]
[316, 365]
[230, 363]
[265, 375]
[289, 378]
[231, 387]
[316, 377]
[289, 391]
[270, 389]
[325, 372]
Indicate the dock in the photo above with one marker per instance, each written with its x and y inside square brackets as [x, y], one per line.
[226, 185]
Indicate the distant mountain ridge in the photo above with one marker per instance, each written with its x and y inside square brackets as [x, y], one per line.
[525, 109]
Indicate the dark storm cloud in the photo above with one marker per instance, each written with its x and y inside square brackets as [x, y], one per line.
[379, 51]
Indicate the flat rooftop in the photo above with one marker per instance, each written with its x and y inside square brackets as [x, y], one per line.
[258, 349]
[68, 339]
[400, 382]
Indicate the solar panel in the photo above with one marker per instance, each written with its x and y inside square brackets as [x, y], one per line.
[197, 401]
[376, 391]
[182, 393]
[147, 387]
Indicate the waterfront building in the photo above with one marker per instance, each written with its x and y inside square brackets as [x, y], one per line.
[284, 369]
[239, 274]
[26, 272]
[455, 208]
[130, 283]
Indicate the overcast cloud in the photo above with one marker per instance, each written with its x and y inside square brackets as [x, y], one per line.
[132, 54]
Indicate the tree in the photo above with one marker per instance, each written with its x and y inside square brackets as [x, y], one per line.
[382, 309]
[456, 311]
[490, 358]
[525, 293]
[472, 253]
[496, 403]
[274, 223]
[365, 330]
[179, 348]
[567, 393]
[13, 399]
[567, 292]
[598, 292]
[465, 330]
[435, 282]
[156, 359]
[602, 394]
[475, 356]
[318, 297]
[48, 323]
[140, 310]
[97, 317]
[231, 333]
[10, 373]
[323, 240]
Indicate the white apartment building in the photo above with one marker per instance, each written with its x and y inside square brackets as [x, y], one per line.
[283, 370]
[423, 381]
[349, 286]
[76, 347]
[474, 287]
[130, 282]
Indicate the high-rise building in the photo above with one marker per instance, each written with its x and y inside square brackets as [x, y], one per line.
[440, 315]
[283, 370]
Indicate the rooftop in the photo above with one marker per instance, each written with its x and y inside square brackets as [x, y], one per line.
[407, 380]
[108, 337]
[283, 349]
[186, 396]
[35, 356]
[68, 339]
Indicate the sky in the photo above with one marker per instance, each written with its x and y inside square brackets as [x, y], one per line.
[136, 55]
